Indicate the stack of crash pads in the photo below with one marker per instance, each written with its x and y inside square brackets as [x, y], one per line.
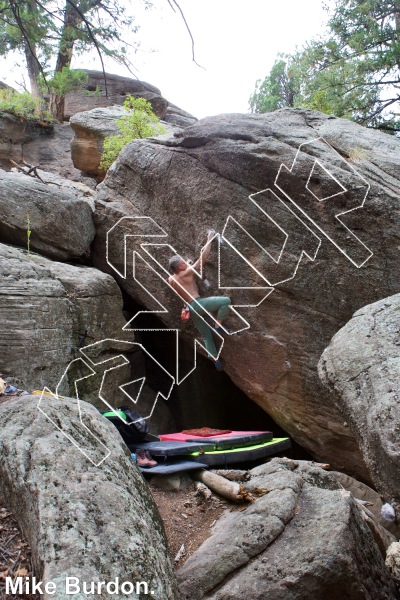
[180, 452]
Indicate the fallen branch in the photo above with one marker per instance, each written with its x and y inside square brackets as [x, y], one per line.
[223, 487]
[27, 169]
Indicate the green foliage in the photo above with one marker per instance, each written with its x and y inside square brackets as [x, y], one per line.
[58, 29]
[279, 88]
[34, 20]
[140, 123]
[21, 105]
[24, 105]
[300, 80]
[353, 72]
[66, 81]
[49, 34]
[366, 34]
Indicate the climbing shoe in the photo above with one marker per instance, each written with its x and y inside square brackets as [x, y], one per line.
[219, 365]
[144, 459]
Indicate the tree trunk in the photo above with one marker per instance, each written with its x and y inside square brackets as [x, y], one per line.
[57, 104]
[72, 20]
[33, 69]
[68, 37]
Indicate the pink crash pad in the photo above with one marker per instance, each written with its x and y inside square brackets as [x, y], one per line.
[182, 437]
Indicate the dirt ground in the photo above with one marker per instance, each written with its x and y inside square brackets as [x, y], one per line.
[15, 555]
[187, 519]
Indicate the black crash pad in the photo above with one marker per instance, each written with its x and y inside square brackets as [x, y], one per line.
[172, 448]
[174, 467]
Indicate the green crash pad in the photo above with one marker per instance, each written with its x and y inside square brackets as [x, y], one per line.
[236, 455]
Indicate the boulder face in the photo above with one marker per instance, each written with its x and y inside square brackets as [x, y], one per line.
[52, 152]
[49, 310]
[45, 146]
[361, 368]
[58, 217]
[90, 129]
[302, 169]
[178, 116]
[83, 507]
[15, 133]
[304, 538]
[93, 95]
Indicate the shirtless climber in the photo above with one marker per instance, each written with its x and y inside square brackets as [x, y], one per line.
[184, 283]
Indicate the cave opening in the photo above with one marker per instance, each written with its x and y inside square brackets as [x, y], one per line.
[206, 398]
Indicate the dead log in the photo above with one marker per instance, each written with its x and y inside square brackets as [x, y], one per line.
[231, 490]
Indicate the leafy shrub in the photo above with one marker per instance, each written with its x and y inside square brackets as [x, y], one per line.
[140, 123]
[67, 80]
[21, 105]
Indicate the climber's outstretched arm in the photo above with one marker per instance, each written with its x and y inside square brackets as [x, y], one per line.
[205, 252]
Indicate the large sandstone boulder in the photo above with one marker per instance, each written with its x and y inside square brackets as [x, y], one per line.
[82, 504]
[52, 152]
[361, 368]
[15, 133]
[305, 538]
[93, 95]
[59, 216]
[178, 116]
[48, 311]
[43, 145]
[91, 128]
[201, 178]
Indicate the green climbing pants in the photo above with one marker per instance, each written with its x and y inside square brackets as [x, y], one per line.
[198, 308]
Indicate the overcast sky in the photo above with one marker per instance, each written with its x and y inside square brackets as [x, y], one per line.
[236, 43]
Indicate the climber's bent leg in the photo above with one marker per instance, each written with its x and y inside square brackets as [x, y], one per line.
[204, 329]
[219, 304]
